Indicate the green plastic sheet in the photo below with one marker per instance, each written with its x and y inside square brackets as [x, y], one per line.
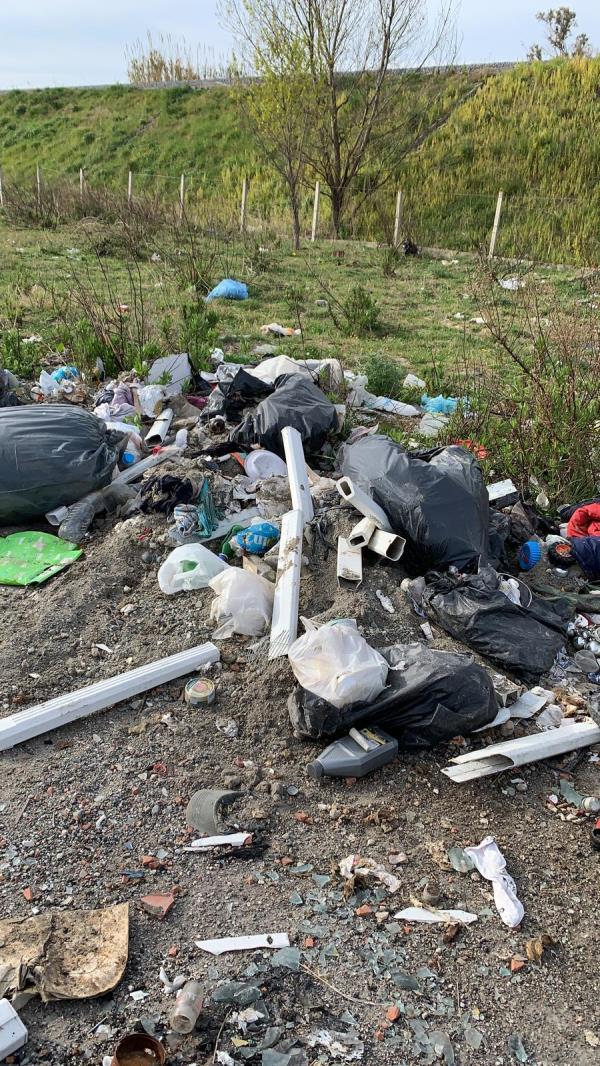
[30, 558]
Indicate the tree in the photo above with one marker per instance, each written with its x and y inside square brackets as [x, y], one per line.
[560, 23]
[347, 50]
[274, 102]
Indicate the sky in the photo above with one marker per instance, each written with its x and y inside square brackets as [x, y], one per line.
[82, 42]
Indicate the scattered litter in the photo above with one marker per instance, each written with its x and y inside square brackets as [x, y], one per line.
[339, 1045]
[460, 861]
[536, 947]
[231, 840]
[228, 289]
[202, 811]
[31, 558]
[139, 1049]
[336, 663]
[385, 602]
[358, 754]
[244, 943]
[13, 1034]
[188, 1005]
[353, 868]
[511, 284]
[491, 864]
[431, 915]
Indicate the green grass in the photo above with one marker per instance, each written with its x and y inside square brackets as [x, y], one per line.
[417, 306]
[533, 131]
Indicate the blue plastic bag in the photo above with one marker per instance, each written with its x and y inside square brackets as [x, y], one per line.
[439, 405]
[229, 290]
[256, 539]
[65, 373]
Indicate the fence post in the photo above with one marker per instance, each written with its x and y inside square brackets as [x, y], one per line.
[38, 181]
[181, 197]
[129, 186]
[244, 205]
[315, 218]
[81, 184]
[496, 225]
[398, 218]
[1, 191]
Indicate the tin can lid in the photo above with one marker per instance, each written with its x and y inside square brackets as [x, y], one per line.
[199, 690]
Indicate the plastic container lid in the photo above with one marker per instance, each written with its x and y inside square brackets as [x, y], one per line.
[262, 464]
[530, 554]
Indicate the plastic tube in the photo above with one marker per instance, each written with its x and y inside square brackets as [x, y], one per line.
[188, 1005]
[389, 545]
[363, 503]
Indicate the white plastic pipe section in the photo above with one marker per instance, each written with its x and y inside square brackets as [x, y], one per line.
[512, 753]
[160, 428]
[284, 625]
[64, 709]
[366, 535]
[363, 503]
[297, 473]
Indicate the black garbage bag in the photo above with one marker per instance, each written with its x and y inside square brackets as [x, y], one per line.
[432, 696]
[51, 455]
[8, 398]
[296, 402]
[244, 389]
[436, 499]
[522, 639]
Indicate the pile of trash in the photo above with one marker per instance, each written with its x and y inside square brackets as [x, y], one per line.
[244, 468]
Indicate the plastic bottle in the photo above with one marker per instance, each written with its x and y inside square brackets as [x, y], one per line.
[356, 755]
[188, 1005]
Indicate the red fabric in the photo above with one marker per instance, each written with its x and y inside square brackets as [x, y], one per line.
[585, 522]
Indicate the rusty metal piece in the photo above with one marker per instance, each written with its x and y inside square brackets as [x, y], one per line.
[139, 1049]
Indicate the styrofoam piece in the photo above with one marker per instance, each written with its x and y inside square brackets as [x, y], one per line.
[13, 1033]
[363, 503]
[284, 625]
[231, 840]
[84, 701]
[360, 536]
[160, 427]
[512, 753]
[349, 561]
[244, 943]
[503, 493]
[297, 472]
[389, 545]
[260, 464]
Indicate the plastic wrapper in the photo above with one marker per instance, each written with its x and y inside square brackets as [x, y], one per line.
[430, 696]
[228, 289]
[52, 455]
[335, 663]
[296, 402]
[473, 609]
[243, 603]
[437, 499]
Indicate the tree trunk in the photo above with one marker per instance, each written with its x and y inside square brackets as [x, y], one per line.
[295, 221]
[337, 206]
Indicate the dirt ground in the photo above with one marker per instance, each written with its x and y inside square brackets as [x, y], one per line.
[82, 808]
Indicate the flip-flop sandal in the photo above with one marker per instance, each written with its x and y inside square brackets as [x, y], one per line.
[595, 835]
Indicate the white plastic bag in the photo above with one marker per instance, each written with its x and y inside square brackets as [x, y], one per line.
[336, 663]
[152, 398]
[243, 603]
[189, 567]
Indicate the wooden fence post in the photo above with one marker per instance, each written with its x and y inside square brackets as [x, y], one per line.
[244, 205]
[496, 225]
[315, 218]
[181, 197]
[130, 187]
[38, 181]
[398, 218]
[1, 191]
[81, 184]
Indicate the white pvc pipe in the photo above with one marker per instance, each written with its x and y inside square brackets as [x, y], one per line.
[389, 545]
[349, 561]
[284, 625]
[363, 503]
[64, 709]
[160, 428]
[297, 473]
[362, 532]
[509, 754]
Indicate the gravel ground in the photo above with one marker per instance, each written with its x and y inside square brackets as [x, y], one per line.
[85, 804]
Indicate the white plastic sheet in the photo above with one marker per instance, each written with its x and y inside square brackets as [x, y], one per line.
[189, 567]
[243, 603]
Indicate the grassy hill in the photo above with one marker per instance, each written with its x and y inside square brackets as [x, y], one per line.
[532, 130]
